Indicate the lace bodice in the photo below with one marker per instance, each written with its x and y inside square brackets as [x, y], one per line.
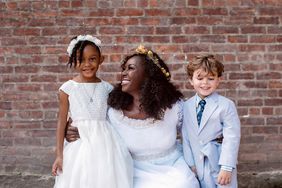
[87, 100]
[149, 136]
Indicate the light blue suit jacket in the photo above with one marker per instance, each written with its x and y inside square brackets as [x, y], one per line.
[219, 118]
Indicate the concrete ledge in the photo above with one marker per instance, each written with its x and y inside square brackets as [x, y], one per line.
[271, 179]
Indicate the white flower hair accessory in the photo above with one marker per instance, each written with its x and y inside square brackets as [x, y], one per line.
[90, 38]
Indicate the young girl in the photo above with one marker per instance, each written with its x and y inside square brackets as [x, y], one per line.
[97, 159]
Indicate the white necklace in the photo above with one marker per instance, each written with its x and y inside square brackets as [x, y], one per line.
[87, 94]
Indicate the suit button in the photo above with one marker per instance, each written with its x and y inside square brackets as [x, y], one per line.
[201, 156]
[201, 142]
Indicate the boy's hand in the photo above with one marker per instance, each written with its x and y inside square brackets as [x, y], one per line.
[57, 166]
[224, 177]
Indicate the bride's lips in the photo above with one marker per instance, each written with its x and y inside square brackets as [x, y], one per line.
[124, 82]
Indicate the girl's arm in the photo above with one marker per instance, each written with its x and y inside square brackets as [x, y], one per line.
[61, 126]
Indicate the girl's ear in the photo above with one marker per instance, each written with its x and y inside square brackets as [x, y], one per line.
[101, 59]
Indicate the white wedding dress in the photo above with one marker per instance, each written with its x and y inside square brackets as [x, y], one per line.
[98, 159]
[158, 159]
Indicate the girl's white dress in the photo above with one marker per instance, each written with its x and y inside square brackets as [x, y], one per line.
[98, 159]
[158, 159]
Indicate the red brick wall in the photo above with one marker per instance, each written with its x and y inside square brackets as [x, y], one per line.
[246, 35]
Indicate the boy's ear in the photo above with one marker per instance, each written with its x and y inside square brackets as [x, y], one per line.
[190, 80]
[101, 59]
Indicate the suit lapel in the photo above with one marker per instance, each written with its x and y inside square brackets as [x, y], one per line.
[210, 107]
[192, 112]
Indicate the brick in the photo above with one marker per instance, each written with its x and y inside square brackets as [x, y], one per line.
[26, 125]
[251, 84]
[104, 4]
[267, 111]
[242, 11]
[252, 29]
[237, 39]
[26, 69]
[29, 87]
[275, 84]
[251, 48]
[249, 102]
[270, 11]
[254, 111]
[274, 30]
[162, 3]
[195, 48]
[273, 102]
[262, 39]
[184, 39]
[266, 20]
[276, 48]
[140, 30]
[111, 30]
[181, 20]
[6, 142]
[265, 130]
[157, 12]
[197, 30]
[252, 139]
[6, 70]
[151, 21]
[26, 31]
[225, 30]
[275, 67]
[213, 39]
[193, 2]
[215, 11]
[168, 30]
[254, 67]
[128, 39]
[206, 20]
[27, 142]
[129, 12]
[241, 76]
[156, 39]
[31, 115]
[223, 48]
[101, 12]
[22, 105]
[43, 78]
[124, 21]
[186, 12]
[42, 133]
[268, 75]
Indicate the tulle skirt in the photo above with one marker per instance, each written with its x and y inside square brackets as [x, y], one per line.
[170, 171]
[97, 160]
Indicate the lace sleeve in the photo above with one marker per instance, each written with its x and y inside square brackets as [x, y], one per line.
[180, 115]
[66, 87]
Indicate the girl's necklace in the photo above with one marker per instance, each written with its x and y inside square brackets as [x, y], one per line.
[89, 96]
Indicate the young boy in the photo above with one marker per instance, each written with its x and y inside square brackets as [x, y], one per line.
[211, 127]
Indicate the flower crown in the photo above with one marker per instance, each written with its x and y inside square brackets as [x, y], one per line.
[142, 50]
[74, 41]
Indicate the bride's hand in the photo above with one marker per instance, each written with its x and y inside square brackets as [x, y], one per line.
[71, 132]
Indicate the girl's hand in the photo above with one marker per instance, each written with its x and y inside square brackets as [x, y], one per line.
[57, 166]
[224, 177]
[71, 132]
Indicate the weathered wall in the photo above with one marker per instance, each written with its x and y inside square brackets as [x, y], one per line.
[245, 34]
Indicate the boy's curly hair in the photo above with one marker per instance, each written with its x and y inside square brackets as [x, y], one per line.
[207, 62]
[157, 92]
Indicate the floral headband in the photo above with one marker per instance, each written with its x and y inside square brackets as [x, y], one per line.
[142, 50]
[90, 38]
